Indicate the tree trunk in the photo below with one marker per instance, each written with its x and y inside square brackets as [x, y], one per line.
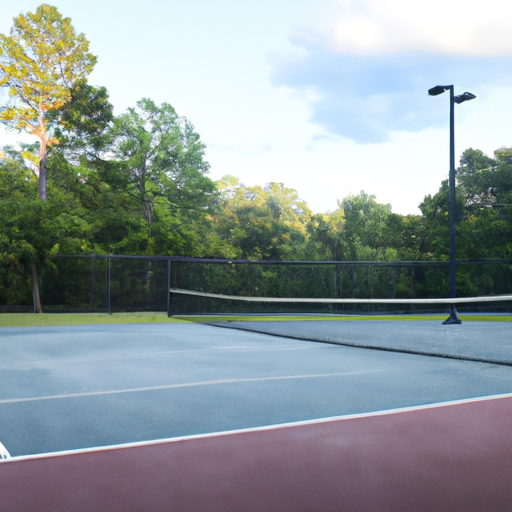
[42, 179]
[37, 297]
[42, 159]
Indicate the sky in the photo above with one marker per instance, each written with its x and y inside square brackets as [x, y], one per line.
[328, 97]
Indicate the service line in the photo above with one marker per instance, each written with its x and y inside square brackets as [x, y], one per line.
[185, 385]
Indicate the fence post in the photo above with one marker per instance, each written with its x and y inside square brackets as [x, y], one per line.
[91, 301]
[109, 310]
[168, 288]
[396, 275]
[339, 281]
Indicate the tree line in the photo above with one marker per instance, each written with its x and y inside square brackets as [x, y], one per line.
[137, 183]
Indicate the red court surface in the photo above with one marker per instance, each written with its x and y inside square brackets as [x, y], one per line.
[447, 457]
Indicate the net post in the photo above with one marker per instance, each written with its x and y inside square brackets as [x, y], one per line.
[169, 288]
[339, 285]
[453, 319]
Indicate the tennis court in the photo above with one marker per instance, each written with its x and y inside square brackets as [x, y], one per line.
[230, 419]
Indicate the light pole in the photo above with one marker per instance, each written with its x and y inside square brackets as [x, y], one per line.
[461, 98]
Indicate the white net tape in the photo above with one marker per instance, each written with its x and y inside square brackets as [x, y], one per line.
[459, 300]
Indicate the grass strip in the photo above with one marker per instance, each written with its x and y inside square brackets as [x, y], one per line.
[55, 319]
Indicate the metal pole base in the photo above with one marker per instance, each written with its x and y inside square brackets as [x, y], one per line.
[453, 318]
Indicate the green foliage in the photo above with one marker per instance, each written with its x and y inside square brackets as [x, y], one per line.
[32, 230]
[474, 176]
[82, 124]
[363, 230]
[261, 222]
[483, 209]
[158, 164]
[41, 61]
[138, 184]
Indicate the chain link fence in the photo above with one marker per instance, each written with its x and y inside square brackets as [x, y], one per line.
[111, 283]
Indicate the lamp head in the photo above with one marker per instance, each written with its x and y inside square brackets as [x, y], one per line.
[466, 96]
[438, 89]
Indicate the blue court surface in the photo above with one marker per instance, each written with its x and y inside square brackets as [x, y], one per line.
[68, 388]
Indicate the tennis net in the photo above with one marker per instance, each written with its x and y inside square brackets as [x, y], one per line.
[230, 287]
[197, 302]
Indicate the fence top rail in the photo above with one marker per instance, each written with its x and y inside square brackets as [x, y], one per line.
[284, 262]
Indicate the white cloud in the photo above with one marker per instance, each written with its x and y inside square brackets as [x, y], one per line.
[371, 62]
[455, 27]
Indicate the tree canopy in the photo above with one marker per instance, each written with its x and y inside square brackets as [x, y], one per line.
[138, 183]
[41, 61]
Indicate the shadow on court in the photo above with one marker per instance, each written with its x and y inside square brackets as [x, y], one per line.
[472, 341]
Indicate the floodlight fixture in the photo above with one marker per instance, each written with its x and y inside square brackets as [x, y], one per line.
[461, 98]
[438, 89]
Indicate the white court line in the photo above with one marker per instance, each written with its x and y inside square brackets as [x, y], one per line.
[265, 349]
[99, 357]
[184, 385]
[4, 454]
[150, 354]
[319, 421]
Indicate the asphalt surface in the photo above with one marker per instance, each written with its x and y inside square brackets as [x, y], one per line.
[65, 388]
